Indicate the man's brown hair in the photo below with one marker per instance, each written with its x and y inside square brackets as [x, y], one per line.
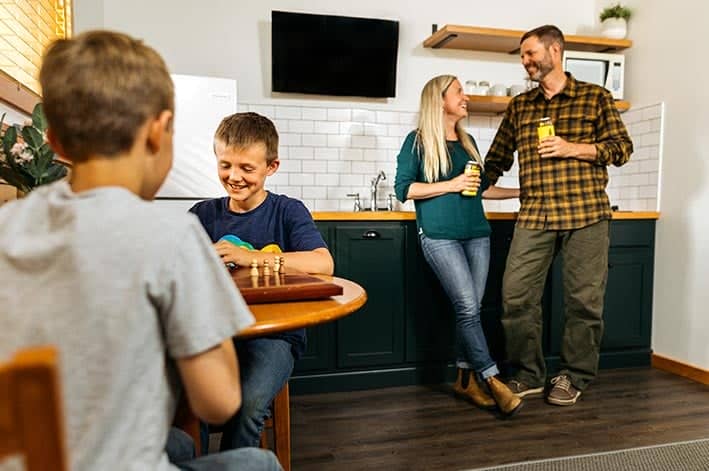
[99, 88]
[547, 34]
[242, 130]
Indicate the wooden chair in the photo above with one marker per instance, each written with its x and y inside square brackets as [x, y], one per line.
[279, 423]
[31, 420]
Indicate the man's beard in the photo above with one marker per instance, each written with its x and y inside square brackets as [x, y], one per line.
[543, 68]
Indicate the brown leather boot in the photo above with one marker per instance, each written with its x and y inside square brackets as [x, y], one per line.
[507, 401]
[473, 391]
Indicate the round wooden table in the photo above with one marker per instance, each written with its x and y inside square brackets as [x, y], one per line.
[284, 316]
[280, 317]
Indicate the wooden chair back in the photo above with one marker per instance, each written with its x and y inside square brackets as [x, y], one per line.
[31, 420]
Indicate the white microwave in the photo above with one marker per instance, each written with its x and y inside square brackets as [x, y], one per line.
[606, 70]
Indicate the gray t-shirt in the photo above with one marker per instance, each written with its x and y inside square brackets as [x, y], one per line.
[122, 288]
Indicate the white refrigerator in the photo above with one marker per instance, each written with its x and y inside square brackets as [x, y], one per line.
[200, 105]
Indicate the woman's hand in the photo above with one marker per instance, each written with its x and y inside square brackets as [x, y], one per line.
[470, 181]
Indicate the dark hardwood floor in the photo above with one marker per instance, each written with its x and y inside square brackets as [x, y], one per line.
[427, 428]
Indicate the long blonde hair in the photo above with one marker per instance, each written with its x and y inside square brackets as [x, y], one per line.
[431, 133]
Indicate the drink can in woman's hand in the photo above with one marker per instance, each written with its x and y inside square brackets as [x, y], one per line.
[471, 168]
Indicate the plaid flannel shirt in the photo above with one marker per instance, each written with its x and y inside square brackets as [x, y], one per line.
[561, 193]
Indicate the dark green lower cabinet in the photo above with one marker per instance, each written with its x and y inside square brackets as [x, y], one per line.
[405, 334]
[373, 256]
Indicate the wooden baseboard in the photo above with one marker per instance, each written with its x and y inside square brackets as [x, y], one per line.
[686, 370]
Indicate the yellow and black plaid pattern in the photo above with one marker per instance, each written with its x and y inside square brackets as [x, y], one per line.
[561, 193]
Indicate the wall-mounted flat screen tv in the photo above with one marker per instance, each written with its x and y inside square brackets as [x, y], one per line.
[334, 55]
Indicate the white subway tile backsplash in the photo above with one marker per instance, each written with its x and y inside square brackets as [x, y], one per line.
[288, 139]
[338, 141]
[315, 140]
[352, 128]
[327, 179]
[301, 126]
[315, 114]
[278, 178]
[313, 166]
[288, 112]
[351, 154]
[327, 127]
[300, 152]
[388, 117]
[339, 114]
[352, 180]
[290, 166]
[366, 142]
[301, 180]
[364, 116]
[329, 152]
[339, 166]
[326, 153]
[364, 167]
[315, 192]
[409, 119]
[371, 129]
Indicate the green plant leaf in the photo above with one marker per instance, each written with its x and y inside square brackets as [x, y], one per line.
[39, 121]
[8, 140]
[16, 179]
[32, 137]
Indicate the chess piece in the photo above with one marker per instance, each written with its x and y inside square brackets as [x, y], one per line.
[283, 265]
[276, 264]
[254, 268]
[266, 268]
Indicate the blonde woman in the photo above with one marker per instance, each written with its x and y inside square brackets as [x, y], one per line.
[453, 230]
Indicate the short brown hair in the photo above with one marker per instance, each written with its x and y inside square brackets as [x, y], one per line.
[547, 34]
[242, 130]
[99, 88]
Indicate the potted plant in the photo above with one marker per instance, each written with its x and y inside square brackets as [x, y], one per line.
[614, 21]
[26, 160]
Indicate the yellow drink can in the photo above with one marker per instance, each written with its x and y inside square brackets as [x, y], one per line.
[545, 128]
[471, 168]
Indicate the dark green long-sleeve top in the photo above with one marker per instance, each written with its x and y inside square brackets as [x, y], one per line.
[448, 216]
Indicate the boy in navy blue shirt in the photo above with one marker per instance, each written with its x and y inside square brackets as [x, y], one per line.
[246, 147]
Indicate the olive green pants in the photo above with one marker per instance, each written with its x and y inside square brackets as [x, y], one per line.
[584, 255]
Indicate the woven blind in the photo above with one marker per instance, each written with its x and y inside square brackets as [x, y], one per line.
[26, 28]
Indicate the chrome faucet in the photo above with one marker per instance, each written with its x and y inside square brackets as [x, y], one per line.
[373, 189]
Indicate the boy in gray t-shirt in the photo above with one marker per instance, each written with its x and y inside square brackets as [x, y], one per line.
[136, 300]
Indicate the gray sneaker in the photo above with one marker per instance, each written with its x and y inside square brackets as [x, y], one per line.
[523, 390]
[563, 393]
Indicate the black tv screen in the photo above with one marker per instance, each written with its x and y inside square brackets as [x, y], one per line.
[333, 55]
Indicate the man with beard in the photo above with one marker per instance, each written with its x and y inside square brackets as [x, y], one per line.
[564, 210]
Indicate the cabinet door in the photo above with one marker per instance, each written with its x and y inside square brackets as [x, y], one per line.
[373, 256]
[627, 308]
[319, 354]
[628, 305]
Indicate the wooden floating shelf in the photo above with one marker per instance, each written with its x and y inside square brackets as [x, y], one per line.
[497, 104]
[477, 38]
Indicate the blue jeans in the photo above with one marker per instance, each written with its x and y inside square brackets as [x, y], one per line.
[180, 451]
[265, 365]
[461, 266]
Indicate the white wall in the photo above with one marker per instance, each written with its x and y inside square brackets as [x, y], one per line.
[664, 65]
[231, 38]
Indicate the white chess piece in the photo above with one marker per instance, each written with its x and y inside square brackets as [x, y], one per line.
[254, 267]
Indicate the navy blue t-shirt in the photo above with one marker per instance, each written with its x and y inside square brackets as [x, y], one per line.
[279, 220]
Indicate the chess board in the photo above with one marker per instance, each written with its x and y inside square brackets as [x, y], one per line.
[278, 287]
